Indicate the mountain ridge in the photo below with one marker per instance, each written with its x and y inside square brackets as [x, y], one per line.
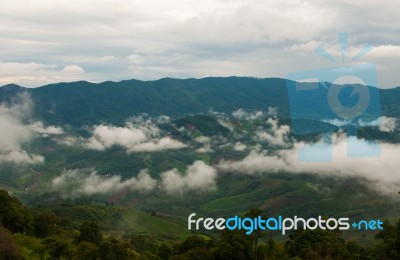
[82, 103]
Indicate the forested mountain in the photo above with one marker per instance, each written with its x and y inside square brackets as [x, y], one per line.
[80, 103]
[115, 168]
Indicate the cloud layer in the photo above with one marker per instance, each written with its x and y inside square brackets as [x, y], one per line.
[40, 128]
[380, 173]
[384, 124]
[277, 135]
[197, 177]
[46, 41]
[15, 132]
[77, 182]
[142, 138]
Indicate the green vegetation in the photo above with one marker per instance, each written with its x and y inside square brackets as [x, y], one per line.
[130, 224]
[113, 102]
[54, 236]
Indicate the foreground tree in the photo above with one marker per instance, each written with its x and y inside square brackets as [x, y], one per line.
[164, 252]
[8, 250]
[46, 223]
[115, 249]
[86, 251]
[195, 247]
[13, 215]
[257, 233]
[317, 244]
[90, 232]
[57, 247]
[235, 245]
[389, 248]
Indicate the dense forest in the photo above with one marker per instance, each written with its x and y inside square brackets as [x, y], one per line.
[38, 232]
[84, 103]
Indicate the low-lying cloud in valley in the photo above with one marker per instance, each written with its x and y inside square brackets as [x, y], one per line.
[198, 177]
[381, 173]
[277, 135]
[40, 128]
[134, 138]
[243, 114]
[384, 124]
[84, 182]
[15, 132]
[139, 134]
[165, 143]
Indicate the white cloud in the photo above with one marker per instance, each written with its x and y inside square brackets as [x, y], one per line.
[226, 123]
[276, 135]
[385, 124]
[306, 48]
[380, 173]
[205, 149]
[385, 52]
[21, 156]
[73, 69]
[337, 122]
[198, 176]
[121, 39]
[69, 140]
[105, 136]
[140, 138]
[78, 182]
[164, 143]
[203, 139]
[243, 114]
[239, 146]
[35, 74]
[272, 112]
[14, 132]
[39, 127]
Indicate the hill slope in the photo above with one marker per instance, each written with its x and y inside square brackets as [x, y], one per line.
[84, 103]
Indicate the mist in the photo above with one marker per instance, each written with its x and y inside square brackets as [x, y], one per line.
[145, 137]
[381, 173]
[197, 177]
[15, 132]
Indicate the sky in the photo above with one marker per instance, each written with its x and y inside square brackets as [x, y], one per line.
[48, 41]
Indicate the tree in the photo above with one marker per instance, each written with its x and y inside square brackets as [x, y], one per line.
[13, 215]
[164, 252]
[390, 236]
[235, 245]
[57, 247]
[142, 243]
[90, 232]
[193, 242]
[316, 244]
[8, 250]
[195, 247]
[115, 249]
[86, 251]
[257, 233]
[45, 223]
[356, 250]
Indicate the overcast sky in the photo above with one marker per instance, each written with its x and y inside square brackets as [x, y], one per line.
[46, 41]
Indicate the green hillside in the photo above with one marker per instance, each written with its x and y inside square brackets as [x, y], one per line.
[84, 103]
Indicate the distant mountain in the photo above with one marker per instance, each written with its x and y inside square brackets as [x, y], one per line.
[84, 103]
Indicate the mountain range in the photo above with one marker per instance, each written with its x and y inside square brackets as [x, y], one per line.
[83, 103]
